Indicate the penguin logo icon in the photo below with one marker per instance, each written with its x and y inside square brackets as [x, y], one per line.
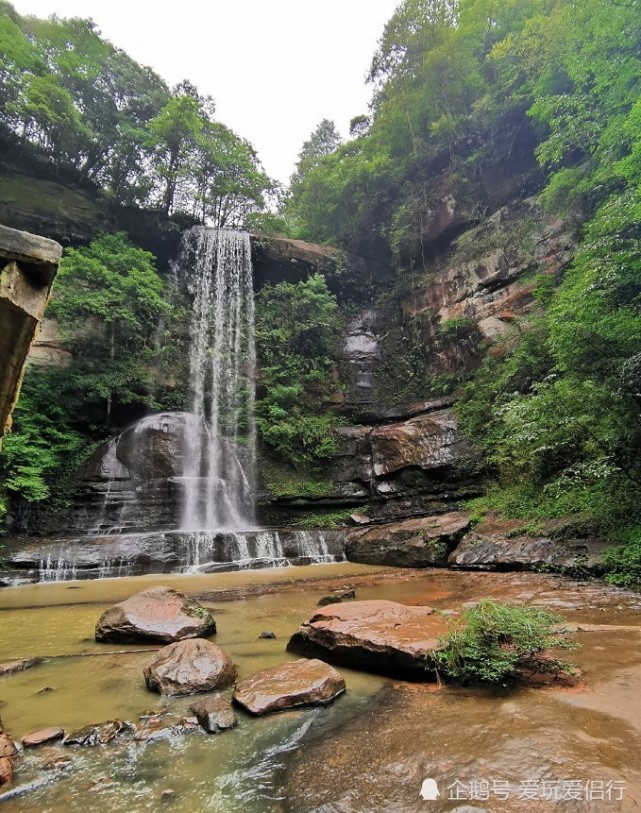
[429, 790]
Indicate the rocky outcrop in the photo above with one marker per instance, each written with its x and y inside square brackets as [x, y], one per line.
[158, 614]
[399, 469]
[480, 551]
[8, 757]
[376, 636]
[215, 714]
[290, 685]
[277, 259]
[28, 266]
[422, 542]
[189, 667]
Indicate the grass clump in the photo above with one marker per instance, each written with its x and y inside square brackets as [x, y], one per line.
[494, 642]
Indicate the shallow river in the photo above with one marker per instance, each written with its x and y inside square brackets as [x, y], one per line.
[371, 750]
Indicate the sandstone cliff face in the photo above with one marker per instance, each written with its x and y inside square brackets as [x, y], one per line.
[28, 267]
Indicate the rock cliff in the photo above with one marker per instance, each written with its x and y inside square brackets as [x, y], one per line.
[28, 266]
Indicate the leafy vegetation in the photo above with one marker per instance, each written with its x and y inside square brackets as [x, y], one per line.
[109, 303]
[71, 97]
[493, 642]
[296, 331]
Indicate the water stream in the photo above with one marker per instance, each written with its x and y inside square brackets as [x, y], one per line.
[367, 752]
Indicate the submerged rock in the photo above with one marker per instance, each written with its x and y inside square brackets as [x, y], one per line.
[290, 685]
[13, 667]
[99, 733]
[376, 636]
[422, 542]
[215, 714]
[44, 735]
[189, 667]
[336, 596]
[158, 614]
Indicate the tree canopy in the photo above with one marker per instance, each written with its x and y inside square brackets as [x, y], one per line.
[85, 105]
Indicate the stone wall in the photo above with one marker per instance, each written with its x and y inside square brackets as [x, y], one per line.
[28, 266]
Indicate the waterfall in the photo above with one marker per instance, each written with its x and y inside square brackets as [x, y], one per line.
[220, 444]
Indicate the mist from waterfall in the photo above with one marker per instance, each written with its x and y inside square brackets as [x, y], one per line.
[220, 441]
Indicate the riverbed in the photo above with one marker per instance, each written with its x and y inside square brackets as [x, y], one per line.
[367, 753]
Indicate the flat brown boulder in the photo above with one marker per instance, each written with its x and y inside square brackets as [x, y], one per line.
[44, 735]
[288, 686]
[215, 714]
[158, 614]
[189, 667]
[422, 542]
[374, 636]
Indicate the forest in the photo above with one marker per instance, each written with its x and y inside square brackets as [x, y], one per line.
[553, 411]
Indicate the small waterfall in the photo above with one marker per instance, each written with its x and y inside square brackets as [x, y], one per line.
[220, 463]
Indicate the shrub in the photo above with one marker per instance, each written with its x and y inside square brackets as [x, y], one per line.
[492, 642]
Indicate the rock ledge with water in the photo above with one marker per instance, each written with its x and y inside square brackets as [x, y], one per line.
[290, 685]
[189, 667]
[158, 614]
[373, 636]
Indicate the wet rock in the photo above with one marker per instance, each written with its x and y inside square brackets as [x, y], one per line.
[167, 793]
[58, 763]
[13, 667]
[44, 735]
[422, 542]
[157, 614]
[99, 734]
[189, 667]
[8, 757]
[290, 685]
[427, 441]
[215, 714]
[376, 636]
[479, 551]
[336, 596]
[267, 634]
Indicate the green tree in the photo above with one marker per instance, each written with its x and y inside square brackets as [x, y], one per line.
[108, 300]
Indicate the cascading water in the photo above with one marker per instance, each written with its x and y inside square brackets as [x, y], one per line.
[220, 462]
[175, 491]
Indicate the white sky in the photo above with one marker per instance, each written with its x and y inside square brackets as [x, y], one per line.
[274, 67]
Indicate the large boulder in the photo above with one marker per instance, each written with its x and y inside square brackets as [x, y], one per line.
[376, 636]
[189, 667]
[422, 542]
[158, 614]
[488, 551]
[427, 441]
[290, 685]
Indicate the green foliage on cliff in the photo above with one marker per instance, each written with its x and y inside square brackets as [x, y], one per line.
[296, 331]
[43, 451]
[109, 303]
[68, 95]
[456, 83]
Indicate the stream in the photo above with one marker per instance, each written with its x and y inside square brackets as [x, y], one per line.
[368, 752]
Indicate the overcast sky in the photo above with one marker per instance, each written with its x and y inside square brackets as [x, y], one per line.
[274, 67]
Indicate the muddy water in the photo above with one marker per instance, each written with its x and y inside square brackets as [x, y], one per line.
[370, 751]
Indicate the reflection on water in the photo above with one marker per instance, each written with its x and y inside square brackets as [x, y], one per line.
[368, 752]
